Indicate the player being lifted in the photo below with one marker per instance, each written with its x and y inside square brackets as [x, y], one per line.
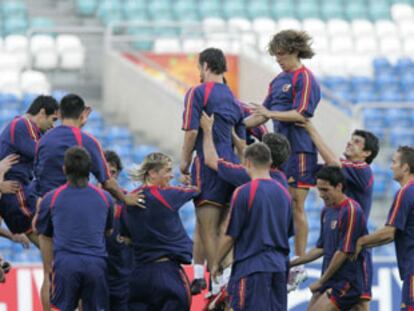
[213, 97]
[293, 96]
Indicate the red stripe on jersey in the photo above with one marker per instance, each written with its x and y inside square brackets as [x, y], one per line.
[57, 192]
[188, 109]
[118, 211]
[207, 92]
[347, 163]
[242, 293]
[78, 135]
[102, 154]
[230, 164]
[253, 188]
[182, 189]
[159, 197]
[101, 194]
[304, 101]
[351, 224]
[397, 204]
[13, 129]
[30, 129]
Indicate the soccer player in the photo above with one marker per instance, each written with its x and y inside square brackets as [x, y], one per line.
[260, 225]
[399, 226]
[342, 223]
[293, 96]
[359, 153]
[20, 137]
[72, 222]
[255, 132]
[214, 97]
[159, 240]
[50, 156]
[119, 253]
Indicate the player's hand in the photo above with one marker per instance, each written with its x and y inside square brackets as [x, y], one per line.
[259, 110]
[206, 122]
[136, 198]
[9, 186]
[8, 162]
[315, 286]
[185, 179]
[22, 239]
[358, 249]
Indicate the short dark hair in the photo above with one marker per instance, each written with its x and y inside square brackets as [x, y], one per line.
[279, 147]
[259, 154]
[291, 41]
[407, 156]
[113, 158]
[77, 162]
[333, 175]
[71, 106]
[371, 144]
[48, 103]
[215, 60]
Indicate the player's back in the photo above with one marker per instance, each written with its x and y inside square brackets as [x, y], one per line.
[20, 137]
[157, 230]
[49, 160]
[262, 237]
[218, 100]
[80, 216]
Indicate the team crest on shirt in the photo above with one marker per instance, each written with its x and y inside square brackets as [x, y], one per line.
[120, 239]
[286, 87]
[333, 224]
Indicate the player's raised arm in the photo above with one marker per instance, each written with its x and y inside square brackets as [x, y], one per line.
[284, 116]
[325, 151]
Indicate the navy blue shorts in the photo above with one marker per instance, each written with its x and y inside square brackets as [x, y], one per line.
[342, 294]
[18, 210]
[214, 190]
[118, 294]
[407, 299]
[367, 274]
[259, 291]
[159, 286]
[79, 277]
[300, 170]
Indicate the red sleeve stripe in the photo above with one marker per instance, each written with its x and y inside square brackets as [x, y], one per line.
[253, 188]
[102, 154]
[13, 129]
[230, 164]
[56, 194]
[160, 198]
[78, 136]
[351, 225]
[188, 109]
[101, 194]
[396, 206]
[33, 134]
[209, 88]
[304, 101]
[182, 189]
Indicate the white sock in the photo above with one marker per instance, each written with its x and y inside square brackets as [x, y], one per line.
[198, 271]
[225, 278]
[215, 287]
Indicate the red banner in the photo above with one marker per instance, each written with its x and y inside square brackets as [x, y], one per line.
[22, 288]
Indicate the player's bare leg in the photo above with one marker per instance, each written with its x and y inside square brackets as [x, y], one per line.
[301, 223]
[208, 217]
[34, 238]
[322, 303]
[199, 282]
[314, 298]
[228, 260]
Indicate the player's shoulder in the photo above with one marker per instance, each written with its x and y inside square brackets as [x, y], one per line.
[351, 208]
[105, 195]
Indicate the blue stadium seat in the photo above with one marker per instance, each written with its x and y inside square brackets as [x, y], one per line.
[404, 64]
[42, 22]
[407, 81]
[257, 9]
[391, 95]
[14, 9]
[234, 8]
[143, 41]
[362, 83]
[6, 115]
[15, 25]
[185, 10]
[211, 8]
[283, 9]
[365, 96]
[141, 151]
[378, 131]
[387, 81]
[398, 117]
[86, 7]
[59, 94]
[382, 64]
[400, 136]
[109, 11]
[158, 8]
[373, 117]
[135, 9]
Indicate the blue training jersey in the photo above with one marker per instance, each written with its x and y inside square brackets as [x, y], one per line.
[236, 174]
[341, 227]
[217, 99]
[261, 223]
[77, 219]
[157, 231]
[401, 216]
[48, 167]
[20, 137]
[296, 90]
